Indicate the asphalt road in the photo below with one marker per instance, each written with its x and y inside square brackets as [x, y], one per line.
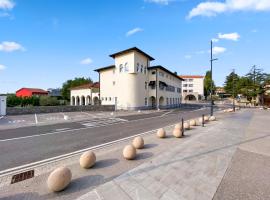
[30, 144]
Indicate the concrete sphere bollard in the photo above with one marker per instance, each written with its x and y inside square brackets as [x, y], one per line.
[129, 152]
[206, 118]
[193, 122]
[177, 133]
[212, 118]
[178, 126]
[59, 179]
[138, 142]
[186, 125]
[161, 133]
[87, 159]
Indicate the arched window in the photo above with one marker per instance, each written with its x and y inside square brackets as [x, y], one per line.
[138, 67]
[126, 67]
[121, 68]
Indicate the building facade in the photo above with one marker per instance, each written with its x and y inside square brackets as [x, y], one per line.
[3, 105]
[87, 94]
[29, 92]
[132, 84]
[192, 87]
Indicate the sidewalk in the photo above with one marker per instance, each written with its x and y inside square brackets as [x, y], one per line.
[189, 168]
[189, 171]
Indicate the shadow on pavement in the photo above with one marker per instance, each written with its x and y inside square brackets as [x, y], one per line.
[105, 163]
[149, 146]
[144, 155]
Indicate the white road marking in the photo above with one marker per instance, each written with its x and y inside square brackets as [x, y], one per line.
[78, 129]
[62, 129]
[36, 120]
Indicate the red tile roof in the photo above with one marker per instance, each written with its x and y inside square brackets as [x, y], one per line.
[191, 76]
[34, 90]
[86, 86]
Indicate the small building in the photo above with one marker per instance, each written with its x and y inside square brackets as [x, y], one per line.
[54, 92]
[87, 94]
[3, 105]
[29, 92]
[132, 84]
[192, 87]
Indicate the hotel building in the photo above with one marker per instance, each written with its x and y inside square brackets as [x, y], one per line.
[133, 84]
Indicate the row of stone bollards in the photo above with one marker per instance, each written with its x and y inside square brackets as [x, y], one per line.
[60, 178]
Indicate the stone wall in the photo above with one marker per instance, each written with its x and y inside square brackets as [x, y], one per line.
[54, 109]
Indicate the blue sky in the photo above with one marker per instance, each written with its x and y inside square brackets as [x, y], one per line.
[44, 43]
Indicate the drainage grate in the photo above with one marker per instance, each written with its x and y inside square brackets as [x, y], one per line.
[22, 176]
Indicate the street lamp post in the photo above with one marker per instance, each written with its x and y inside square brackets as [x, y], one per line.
[211, 73]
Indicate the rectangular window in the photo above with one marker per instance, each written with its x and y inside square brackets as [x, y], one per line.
[190, 80]
[167, 101]
[190, 90]
[190, 85]
[153, 72]
[185, 85]
[113, 82]
[185, 91]
[145, 101]
[145, 85]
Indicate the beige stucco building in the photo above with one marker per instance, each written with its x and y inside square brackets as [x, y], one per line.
[87, 94]
[132, 84]
[192, 87]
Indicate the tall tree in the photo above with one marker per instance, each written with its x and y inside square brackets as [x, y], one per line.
[207, 84]
[73, 83]
[231, 85]
[258, 78]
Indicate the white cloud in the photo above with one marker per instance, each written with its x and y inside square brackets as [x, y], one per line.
[161, 2]
[11, 46]
[214, 7]
[6, 4]
[2, 67]
[229, 36]
[215, 40]
[218, 50]
[133, 31]
[188, 56]
[86, 61]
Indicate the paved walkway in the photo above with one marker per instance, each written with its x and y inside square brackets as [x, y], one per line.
[189, 171]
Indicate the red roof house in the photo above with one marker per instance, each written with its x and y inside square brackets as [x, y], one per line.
[29, 92]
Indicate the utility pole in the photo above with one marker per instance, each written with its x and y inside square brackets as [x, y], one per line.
[254, 82]
[211, 74]
[233, 91]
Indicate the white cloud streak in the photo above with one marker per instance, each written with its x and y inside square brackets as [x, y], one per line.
[6, 4]
[86, 61]
[213, 8]
[229, 36]
[218, 50]
[2, 67]
[7, 46]
[188, 56]
[133, 31]
[160, 2]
